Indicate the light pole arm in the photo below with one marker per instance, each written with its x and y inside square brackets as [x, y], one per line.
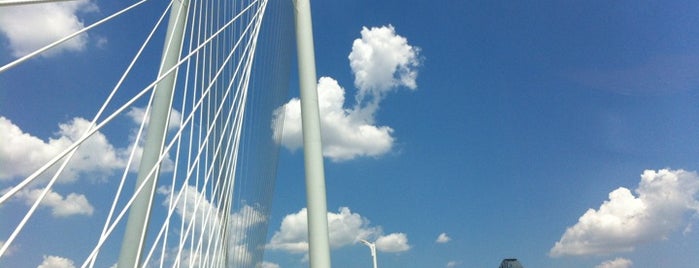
[372, 247]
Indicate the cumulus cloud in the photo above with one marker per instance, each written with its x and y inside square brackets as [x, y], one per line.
[453, 264]
[395, 242]
[138, 113]
[21, 153]
[267, 265]
[346, 134]
[443, 238]
[29, 27]
[381, 61]
[56, 262]
[615, 263]
[193, 205]
[345, 228]
[72, 204]
[663, 200]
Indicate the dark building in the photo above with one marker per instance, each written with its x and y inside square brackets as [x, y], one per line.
[510, 263]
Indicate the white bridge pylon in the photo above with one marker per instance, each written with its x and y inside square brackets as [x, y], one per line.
[192, 203]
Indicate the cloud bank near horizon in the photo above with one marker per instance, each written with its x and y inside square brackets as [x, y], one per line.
[662, 203]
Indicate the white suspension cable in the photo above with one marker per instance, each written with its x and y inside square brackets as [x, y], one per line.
[121, 109]
[68, 37]
[208, 184]
[142, 125]
[218, 112]
[67, 159]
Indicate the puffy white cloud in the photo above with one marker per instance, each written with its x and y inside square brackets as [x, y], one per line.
[395, 242]
[194, 205]
[29, 27]
[292, 235]
[345, 228]
[664, 198]
[72, 204]
[443, 238]
[56, 262]
[346, 134]
[267, 265]
[137, 113]
[21, 153]
[381, 61]
[615, 263]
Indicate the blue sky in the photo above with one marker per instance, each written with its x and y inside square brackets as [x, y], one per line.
[525, 120]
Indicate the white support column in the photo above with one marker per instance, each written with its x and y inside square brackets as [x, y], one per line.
[318, 239]
[139, 214]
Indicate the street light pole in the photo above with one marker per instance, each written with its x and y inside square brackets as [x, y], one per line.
[372, 247]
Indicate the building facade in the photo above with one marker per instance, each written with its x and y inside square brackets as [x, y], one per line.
[510, 263]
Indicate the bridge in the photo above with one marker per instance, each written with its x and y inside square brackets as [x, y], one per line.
[193, 185]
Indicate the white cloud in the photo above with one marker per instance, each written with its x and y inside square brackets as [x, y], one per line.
[345, 228]
[21, 153]
[443, 238]
[56, 262]
[664, 198]
[616, 263]
[381, 61]
[72, 204]
[197, 204]
[687, 229]
[292, 234]
[267, 265]
[395, 242]
[137, 113]
[194, 203]
[346, 134]
[453, 264]
[29, 27]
